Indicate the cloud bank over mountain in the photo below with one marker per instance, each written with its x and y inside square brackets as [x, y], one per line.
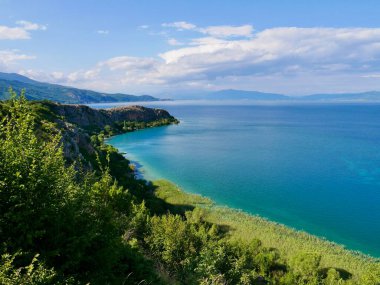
[290, 59]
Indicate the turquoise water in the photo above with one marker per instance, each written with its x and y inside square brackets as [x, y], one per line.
[312, 167]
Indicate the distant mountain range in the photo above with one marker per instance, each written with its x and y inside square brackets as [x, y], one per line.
[36, 90]
[231, 94]
[362, 96]
[244, 95]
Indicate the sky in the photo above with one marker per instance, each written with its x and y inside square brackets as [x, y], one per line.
[180, 47]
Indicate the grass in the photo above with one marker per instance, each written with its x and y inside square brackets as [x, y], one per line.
[244, 227]
[173, 195]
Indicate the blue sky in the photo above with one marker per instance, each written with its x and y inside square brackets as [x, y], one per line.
[291, 47]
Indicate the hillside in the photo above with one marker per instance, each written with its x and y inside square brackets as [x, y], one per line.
[63, 224]
[17, 77]
[36, 90]
[78, 122]
[96, 119]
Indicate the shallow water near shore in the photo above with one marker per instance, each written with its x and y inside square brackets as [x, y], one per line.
[312, 167]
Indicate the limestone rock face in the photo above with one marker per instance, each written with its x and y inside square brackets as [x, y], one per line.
[77, 122]
[85, 117]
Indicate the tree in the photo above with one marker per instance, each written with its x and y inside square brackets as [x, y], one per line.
[35, 185]
[305, 267]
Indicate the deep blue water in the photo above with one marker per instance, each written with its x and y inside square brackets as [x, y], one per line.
[312, 167]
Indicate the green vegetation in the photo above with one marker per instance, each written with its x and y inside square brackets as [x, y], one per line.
[45, 91]
[242, 227]
[130, 126]
[61, 223]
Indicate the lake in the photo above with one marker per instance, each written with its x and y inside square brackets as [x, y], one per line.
[312, 167]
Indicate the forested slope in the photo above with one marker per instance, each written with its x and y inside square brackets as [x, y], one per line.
[37, 90]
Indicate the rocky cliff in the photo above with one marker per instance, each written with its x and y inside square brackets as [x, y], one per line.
[78, 122]
[89, 118]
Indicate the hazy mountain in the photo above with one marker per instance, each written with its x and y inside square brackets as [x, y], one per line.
[231, 94]
[36, 90]
[227, 94]
[363, 96]
[243, 95]
[17, 77]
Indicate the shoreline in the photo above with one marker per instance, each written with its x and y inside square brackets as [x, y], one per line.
[140, 174]
[244, 226]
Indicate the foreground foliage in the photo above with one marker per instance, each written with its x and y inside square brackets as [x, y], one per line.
[75, 222]
[61, 225]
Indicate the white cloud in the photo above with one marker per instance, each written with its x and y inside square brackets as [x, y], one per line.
[284, 46]
[29, 26]
[223, 31]
[284, 59]
[16, 33]
[9, 59]
[38, 75]
[180, 26]
[228, 31]
[20, 32]
[144, 27]
[103, 32]
[128, 63]
[206, 41]
[174, 42]
[58, 75]
[11, 56]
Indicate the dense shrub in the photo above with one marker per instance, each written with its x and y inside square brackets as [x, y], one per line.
[76, 225]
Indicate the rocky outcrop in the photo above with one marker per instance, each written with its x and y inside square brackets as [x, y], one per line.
[76, 145]
[89, 118]
[78, 122]
[136, 113]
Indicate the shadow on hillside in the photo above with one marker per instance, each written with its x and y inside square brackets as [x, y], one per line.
[160, 207]
[344, 274]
